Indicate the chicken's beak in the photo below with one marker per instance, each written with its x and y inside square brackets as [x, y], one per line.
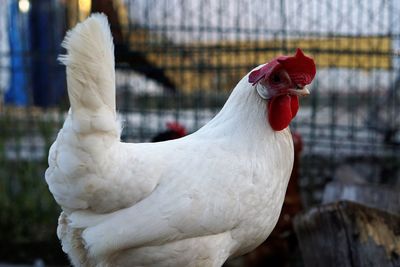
[300, 92]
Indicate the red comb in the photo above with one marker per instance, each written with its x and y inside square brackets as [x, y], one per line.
[176, 127]
[300, 68]
[256, 75]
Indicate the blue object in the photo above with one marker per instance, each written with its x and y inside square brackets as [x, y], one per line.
[17, 92]
[47, 30]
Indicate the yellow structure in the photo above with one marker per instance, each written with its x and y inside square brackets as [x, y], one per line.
[219, 65]
[206, 66]
[349, 52]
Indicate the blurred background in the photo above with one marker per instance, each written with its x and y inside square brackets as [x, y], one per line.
[177, 61]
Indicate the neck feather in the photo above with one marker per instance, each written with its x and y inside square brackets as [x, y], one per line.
[243, 116]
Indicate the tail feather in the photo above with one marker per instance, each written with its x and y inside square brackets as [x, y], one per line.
[79, 160]
[90, 75]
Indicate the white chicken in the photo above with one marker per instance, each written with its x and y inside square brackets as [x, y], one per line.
[194, 201]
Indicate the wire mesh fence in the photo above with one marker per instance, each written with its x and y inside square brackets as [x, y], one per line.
[178, 60]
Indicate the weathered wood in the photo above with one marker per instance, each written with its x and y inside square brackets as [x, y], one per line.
[376, 196]
[348, 234]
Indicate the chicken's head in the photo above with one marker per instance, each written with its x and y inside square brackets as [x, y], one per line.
[281, 82]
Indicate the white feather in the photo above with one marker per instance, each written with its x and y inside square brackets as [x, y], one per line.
[195, 201]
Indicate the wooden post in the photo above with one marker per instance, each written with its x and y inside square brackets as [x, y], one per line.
[348, 234]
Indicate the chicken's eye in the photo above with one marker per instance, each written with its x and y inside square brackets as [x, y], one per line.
[276, 78]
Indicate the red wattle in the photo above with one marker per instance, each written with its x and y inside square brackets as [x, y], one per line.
[294, 104]
[281, 110]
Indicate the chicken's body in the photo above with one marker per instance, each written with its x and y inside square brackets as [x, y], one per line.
[194, 201]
